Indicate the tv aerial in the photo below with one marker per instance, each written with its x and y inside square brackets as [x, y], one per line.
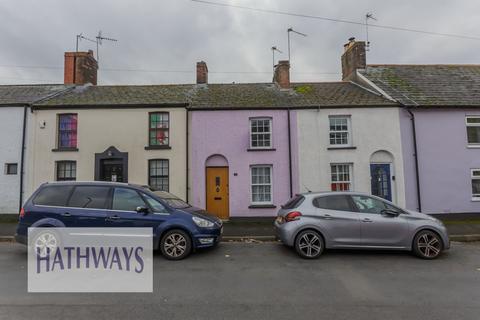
[100, 39]
[274, 48]
[289, 30]
[368, 16]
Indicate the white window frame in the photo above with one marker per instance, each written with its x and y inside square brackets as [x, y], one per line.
[475, 125]
[475, 197]
[348, 131]
[261, 184]
[269, 132]
[350, 173]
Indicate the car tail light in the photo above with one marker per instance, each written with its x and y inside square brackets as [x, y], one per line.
[22, 213]
[292, 216]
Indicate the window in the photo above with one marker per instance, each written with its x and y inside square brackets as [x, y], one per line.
[341, 177]
[261, 133]
[158, 129]
[340, 203]
[158, 174]
[126, 200]
[294, 202]
[261, 184]
[476, 184]
[89, 197]
[473, 130]
[340, 131]
[154, 204]
[11, 168]
[66, 171]
[67, 131]
[52, 195]
[366, 204]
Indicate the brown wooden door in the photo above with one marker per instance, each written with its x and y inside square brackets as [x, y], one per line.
[217, 191]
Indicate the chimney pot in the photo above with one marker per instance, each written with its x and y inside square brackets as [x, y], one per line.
[281, 75]
[80, 68]
[353, 58]
[202, 72]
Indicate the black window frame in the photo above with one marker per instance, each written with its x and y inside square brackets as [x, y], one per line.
[8, 167]
[57, 170]
[150, 176]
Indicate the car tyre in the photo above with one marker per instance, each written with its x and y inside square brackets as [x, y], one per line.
[176, 244]
[427, 245]
[309, 244]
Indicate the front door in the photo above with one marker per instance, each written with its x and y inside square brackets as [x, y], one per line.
[112, 170]
[217, 191]
[381, 180]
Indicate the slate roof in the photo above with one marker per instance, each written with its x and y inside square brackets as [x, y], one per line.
[26, 94]
[428, 85]
[222, 96]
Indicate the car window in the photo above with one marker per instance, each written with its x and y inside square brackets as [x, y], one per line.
[294, 202]
[94, 197]
[155, 204]
[172, 200]
[367, 204]
[334, 202]
[126, 200]
[56, 196]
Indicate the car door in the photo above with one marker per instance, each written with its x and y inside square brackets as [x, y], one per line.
[87, 206]
[124, 205]
[339, 220]
[380, 229]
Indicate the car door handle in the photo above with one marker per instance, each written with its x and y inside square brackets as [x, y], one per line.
[327, 216]
[66, 214]
[367, 220]
[115, 217]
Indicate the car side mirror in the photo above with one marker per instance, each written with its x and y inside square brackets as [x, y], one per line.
[390, 213]
[143, 210]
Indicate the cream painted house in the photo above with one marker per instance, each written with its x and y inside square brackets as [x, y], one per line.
[134, 134]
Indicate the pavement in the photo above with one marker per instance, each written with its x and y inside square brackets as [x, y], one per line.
[461, 227]
[268, 281]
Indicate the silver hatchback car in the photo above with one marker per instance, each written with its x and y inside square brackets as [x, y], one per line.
[311, 222]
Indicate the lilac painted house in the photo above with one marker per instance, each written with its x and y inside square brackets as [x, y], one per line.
[440, 128]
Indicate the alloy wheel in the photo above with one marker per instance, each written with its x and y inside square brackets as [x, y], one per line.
[310, 244]
[175, 245]
[429, 245]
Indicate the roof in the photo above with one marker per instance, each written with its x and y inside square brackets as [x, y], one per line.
[26, 94]
[428, 85]
[221, 96]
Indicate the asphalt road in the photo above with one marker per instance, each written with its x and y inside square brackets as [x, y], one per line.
[268, 281]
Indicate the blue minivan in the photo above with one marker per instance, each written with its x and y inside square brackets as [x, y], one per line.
[178, 228]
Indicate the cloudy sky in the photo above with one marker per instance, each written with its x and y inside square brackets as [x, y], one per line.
[171, 35]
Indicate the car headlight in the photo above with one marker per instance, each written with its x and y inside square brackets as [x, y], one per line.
[202, 223]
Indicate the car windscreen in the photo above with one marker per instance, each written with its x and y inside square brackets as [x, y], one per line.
[294, 202]
[171, 200]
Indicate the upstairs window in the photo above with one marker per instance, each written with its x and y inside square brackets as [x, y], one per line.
[340, 133]
[67, 131]
[261, 133]
[159, 125]
[473, 130]
[341, 177]
[11, 168]
[66, 171]
[476, 184]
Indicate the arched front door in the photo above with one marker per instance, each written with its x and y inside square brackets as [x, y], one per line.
[381, 180]
[216, 183]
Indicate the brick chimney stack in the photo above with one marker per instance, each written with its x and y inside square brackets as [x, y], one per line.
[281, 75]
[80, 68]
[353, 58]
[202, 72]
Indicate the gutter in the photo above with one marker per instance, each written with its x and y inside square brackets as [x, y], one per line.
[22, 157]
[290, 153]
[415, 155]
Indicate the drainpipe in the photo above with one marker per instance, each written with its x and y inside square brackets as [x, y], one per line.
[415, 150]
[22, 157]
[187, 156]
[290, 153]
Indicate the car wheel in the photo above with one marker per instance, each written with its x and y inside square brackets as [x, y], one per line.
[309, 244]
[175, 245]
[44, 242]
[427, 245]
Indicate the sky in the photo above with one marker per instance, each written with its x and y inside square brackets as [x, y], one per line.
[155, 36]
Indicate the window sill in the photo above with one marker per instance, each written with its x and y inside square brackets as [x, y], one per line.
[341, 148]
[158, 148]
[473, 146]
[65, 150]
[262, 206]
[475, 199]
[261, 149]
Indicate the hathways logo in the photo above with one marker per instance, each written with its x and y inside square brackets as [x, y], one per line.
[111, 258]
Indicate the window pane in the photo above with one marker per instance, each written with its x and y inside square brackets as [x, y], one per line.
[53, 196]
[66, 170]
[260, 133]
[473, 134]
[473, 120]
[67, 131]
[368, 205]
[339, 202]
[11, 168]
[159, 174]
[89, 197]
[155, 204]
[126, 200]
[159, 129]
